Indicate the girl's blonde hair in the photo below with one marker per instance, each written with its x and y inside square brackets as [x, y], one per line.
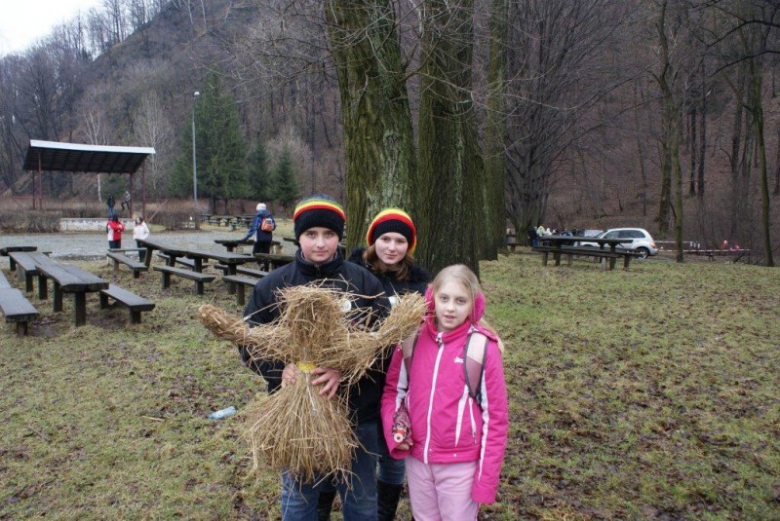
[463, 275]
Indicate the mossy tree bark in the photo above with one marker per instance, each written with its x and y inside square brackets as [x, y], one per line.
[451, 171]
[378, 134]
[495, 130]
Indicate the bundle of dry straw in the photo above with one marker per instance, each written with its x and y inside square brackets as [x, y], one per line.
[296, 428]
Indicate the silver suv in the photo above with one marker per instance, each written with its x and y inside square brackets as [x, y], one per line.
[641, 241]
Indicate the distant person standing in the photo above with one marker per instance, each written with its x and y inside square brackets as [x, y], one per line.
[126, 200]
[110, 203]
[263, 228]
[115, 229]
[140, 233]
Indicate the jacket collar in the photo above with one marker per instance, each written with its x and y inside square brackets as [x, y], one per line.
[460, 331]
[328, 269]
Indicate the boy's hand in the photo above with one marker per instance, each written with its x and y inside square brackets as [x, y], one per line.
[290, 375]
[329, 379]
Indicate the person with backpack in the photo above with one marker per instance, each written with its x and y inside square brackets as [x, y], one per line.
[263, 228]
[444, 407]
[391, 239]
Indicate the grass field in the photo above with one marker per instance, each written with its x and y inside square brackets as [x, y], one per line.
[647, 394]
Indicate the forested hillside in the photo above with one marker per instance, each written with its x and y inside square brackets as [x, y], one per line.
[574, 113]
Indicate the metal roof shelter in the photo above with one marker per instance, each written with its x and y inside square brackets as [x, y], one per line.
[76, 157]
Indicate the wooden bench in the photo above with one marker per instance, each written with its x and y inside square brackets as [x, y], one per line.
[184, 261]
[4, 284]
[133, 302]
[26, 264]
[240, 284]
[16, 308]
[135, 265]
[199, 278]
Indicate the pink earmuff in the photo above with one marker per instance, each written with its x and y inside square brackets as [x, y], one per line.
[479, 308]
[429, 298]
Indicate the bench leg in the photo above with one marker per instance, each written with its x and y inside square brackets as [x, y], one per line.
[166, 280]
[198, 287]
[557, 257]
[116, 266]
[28, 282]
[21, 328]
[241, 294]
[612, 263]
[136, 274]
[57, 297]
[569, 258]
[43, 287]
[544, 258]
[80, 301]
[603, 263]
[135, 317]
[626, 261]
[103, 301]
[12, 264]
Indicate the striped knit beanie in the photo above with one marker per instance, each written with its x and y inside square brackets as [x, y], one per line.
[319, 210]
[392, 220]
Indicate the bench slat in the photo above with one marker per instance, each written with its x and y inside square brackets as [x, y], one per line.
[16, 308]
[199, 278]
[4, 284]
[241, 284]
[136, 304]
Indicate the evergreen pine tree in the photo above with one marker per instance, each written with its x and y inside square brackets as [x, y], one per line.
[286, 186]
[260, 186]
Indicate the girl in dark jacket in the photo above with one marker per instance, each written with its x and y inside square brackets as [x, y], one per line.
[391, 239]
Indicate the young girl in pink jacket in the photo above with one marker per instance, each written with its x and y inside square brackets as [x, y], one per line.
[444, 407]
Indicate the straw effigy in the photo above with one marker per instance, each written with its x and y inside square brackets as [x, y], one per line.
[296, 429]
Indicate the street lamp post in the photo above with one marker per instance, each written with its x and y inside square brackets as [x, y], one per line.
[194, 155]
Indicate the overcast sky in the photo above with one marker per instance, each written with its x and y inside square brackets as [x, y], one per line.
[22, 22]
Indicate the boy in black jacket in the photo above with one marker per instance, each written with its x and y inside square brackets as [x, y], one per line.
[319, 226]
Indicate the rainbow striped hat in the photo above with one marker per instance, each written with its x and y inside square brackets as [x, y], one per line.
[319, 210]
[392, 220]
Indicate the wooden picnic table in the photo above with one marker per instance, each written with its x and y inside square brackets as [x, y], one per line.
[274, 260]
[171, 252]
[26, 265]
[560, 245]
[232, 244]
[231, 260]
[71, 279]
[5, 250]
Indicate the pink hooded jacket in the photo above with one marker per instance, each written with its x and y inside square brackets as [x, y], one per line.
[447, 426]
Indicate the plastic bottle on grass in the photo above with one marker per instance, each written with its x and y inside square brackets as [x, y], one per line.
[222, 413]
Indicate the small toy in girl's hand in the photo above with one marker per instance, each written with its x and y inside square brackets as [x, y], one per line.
[401, 424]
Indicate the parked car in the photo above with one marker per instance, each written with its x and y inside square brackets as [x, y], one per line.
[641, 241]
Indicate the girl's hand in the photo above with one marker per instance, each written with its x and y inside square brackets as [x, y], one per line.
[406, 445]
[290, 375]
[329, 379]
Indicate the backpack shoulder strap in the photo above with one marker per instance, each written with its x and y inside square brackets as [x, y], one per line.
[474, 354]
[408, 346]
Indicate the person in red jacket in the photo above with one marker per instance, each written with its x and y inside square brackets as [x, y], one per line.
[445, 409]
[116, 228]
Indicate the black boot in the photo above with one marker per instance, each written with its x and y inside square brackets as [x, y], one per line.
[387, 500]
[324, 505]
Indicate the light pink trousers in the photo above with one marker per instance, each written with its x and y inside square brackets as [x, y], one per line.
[441, 492]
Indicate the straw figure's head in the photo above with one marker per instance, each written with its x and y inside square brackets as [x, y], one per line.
[455, 297]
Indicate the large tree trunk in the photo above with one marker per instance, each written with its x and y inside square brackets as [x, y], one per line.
[665, 81]
[450, 188]
[378, 135]
[758, 116]
[495, 129]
